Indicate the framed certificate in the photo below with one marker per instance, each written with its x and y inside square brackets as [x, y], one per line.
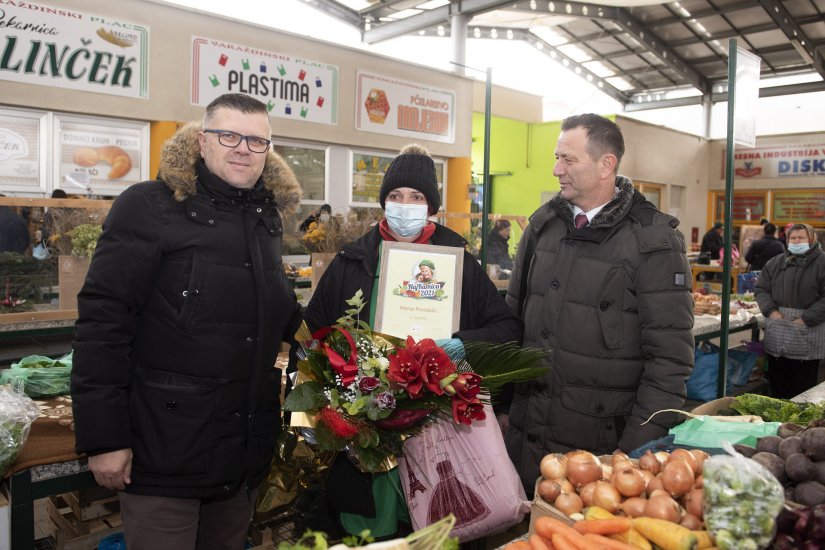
[419, 290]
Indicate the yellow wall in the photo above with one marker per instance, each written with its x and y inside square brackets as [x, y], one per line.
[159, 132]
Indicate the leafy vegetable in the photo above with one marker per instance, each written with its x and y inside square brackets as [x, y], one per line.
[778, 410]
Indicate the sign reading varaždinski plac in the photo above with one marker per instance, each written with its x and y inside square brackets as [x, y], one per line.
[68, 48]
[292, 88]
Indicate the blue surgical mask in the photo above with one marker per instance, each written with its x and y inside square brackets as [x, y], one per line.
[798, 248]
[406, 220]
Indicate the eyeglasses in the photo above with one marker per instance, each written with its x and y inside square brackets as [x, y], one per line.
[233, 139]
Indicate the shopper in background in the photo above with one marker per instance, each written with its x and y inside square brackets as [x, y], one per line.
[790, 292]
[174, 390]
[409, 195]
[14, 231]
[498, 249]
[713, 242]
[764, 249]
[320, 214]
[51, 217]
[783, 234]
[607, 292]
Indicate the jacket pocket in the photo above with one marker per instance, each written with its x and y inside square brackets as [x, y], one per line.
[609, 309]
[173, 418]
[191, 294]
[598, 402]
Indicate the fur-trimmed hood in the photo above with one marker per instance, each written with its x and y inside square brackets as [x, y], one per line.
[181, 154]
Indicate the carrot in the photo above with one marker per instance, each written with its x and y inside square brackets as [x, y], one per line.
[608, 544]
[603, 526]
[547, 526]
[538, 543]
[562, 543]
[519, 545]
[704, 540]
[666, 534]
[631, 537]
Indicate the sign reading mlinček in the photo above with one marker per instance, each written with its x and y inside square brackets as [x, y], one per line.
[292, 88]
[62, 47]
[399, 108]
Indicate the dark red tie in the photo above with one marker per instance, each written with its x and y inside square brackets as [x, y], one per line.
[580, 221]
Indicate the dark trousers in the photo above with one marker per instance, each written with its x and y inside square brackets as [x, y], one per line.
[790, 377]
[168, 523]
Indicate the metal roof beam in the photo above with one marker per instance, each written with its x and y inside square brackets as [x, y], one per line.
[772, 91]
[630, 25]
[338, 11]
[662, 51]
[795, 34]
[428, 18]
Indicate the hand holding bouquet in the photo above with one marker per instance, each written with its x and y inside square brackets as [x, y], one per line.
[367, 391]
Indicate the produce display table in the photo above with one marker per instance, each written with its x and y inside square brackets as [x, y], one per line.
[47, 465]
[708, 327]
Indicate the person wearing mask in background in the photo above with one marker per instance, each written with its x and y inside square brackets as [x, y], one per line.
[180, 320]
[51, 217]
[409, 195]
[498, 249]
[713, 242]
[783, 234]
[790, 292]
[14, 231]
[607, 292]
[320, 214]
[764, 249]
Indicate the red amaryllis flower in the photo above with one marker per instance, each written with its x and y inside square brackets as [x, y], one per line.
[467, 385]
[465, 412]
[405, 371]
[337, 424]
[402, 419]
[435, 365]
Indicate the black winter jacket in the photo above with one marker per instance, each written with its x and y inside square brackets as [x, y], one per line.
[763, 250]
[611, 303]
[794, 281]
[484, 314]
[498, 251]
[180, 320]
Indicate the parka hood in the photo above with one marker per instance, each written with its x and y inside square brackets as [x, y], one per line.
[181, 153]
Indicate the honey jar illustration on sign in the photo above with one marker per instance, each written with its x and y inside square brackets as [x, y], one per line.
[377, 105]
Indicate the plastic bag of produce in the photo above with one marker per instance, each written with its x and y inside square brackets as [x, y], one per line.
[449, 468]
[741, 502]
[17, 412]
[41, 376]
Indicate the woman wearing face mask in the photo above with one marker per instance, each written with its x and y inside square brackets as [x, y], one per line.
[322, 214]
[409, 195]
[790, 292]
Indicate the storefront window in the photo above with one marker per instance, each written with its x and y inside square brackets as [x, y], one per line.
[309, 166]
[799, 206]
[368, 172]
[747, 206]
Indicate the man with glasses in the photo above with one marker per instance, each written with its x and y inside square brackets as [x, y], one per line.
[175, 394]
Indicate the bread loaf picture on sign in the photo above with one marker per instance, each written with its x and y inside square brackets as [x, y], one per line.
[111, 154]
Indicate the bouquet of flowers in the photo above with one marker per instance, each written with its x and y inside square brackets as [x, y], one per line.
[367, 391]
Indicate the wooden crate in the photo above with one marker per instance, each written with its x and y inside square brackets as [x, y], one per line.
[92, 503]
[72, 533]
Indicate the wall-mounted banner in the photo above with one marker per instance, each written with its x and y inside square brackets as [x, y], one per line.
[66, 48]
[21, 154]
[399, 108]
[97, 156]
[778, 161]
[294, 88]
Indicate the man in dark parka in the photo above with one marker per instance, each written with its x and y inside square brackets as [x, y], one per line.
[607, 293]
[180, 319]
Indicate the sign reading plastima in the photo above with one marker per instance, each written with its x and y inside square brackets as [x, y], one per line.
[396, 107]
[66, 48]
[291, 87]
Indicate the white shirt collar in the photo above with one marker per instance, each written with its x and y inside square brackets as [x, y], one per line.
[590, 213]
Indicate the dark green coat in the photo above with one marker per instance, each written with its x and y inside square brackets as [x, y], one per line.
[612, 304]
